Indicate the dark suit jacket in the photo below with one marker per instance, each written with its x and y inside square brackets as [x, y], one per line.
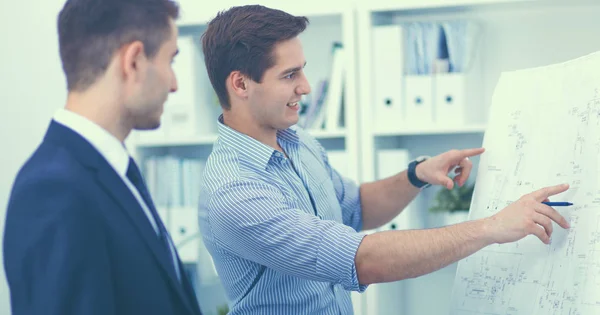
[78, 242]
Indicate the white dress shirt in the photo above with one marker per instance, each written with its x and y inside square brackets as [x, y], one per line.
[114, 152]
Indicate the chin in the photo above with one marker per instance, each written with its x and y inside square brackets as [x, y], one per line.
[147, 118]
[287, 124]
[147, 125]
[293, 120]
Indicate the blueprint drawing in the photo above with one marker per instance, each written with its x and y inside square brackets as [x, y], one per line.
[544, 130]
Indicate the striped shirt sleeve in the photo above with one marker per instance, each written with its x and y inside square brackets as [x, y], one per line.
[251, 219]
[347, 193]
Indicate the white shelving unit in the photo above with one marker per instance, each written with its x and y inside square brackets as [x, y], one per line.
[516, 34]
[329, 23]
[433, 130]
[198, 140]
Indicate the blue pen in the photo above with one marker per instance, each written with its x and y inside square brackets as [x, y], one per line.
[557, 204]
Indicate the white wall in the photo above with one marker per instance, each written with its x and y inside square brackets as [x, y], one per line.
[542, 37]
[32, 88]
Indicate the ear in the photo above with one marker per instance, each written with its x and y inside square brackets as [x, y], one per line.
[133, 61]
[238, 84]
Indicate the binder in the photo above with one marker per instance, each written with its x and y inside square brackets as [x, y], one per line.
[207, 272]
[450, 99]
[431, 40]
[419, 100]
[184, 232]
[338, 159]
[388, 71]
[181, 107]
[174, 184]
[391, 162]
[163, 213]
[334, 97]
[329, 115]
[393, 295]
[453, 104]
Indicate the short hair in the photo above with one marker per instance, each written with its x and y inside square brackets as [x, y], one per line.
[242, 39]
[91, 31]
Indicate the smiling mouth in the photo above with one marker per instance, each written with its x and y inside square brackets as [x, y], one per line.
[292, 104]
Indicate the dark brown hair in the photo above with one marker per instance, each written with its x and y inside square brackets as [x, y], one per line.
[91, 31]
[242, 39]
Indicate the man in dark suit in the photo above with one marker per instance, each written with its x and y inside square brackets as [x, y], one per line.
[82, 234]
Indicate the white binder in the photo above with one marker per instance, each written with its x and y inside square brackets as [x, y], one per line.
[181, 106]
[183, 229]
[333, 102]
[419, 100]
[450, 99]
[338, 159]
[388, 70]
[391, 162]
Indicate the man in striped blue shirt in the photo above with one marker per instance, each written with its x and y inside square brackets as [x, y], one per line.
[283, 226]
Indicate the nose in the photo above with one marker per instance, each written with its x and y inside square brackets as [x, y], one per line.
[304, 87]
[174, 86]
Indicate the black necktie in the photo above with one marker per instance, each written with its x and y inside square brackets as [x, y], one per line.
[135, 176]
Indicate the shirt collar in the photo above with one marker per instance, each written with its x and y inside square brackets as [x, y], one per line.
[108, 145]
[251, 149]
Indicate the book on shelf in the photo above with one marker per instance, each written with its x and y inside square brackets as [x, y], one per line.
[173, 182]
[323, 109]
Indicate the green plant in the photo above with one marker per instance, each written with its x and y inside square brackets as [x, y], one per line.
[222, 310]
[456, 199]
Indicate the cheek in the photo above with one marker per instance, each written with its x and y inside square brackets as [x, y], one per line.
[167, 77]
[163, 78]
[281, 94]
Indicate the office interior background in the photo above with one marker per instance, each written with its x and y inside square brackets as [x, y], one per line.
[391, 80]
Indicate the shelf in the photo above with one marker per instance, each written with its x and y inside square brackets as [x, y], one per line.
[394, 5]
[177, 141]
[416, 7]
[210, 139]
[196, 13]
[434, 131]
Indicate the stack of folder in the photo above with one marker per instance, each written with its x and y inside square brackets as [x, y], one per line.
[422, 71]
[174, 184]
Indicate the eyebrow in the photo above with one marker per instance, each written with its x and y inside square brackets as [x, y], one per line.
[295, 69]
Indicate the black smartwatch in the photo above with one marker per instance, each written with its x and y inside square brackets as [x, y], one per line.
[412, 172]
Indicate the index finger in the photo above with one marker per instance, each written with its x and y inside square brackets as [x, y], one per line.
[544, 193]
[470, 152]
